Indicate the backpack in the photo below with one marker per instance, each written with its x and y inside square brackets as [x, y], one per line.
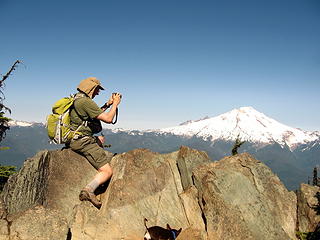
[58, 122]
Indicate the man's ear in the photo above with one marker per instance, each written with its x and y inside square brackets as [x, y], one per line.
[168, 227]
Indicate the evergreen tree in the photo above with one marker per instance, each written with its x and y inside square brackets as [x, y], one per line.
[315, 177]
[4, 126]
[236, 145]
[5, 171]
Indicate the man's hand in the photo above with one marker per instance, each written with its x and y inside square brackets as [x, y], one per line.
[100, 141]
[116, 97]
[110, 101]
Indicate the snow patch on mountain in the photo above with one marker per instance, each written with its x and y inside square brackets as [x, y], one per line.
[17, 123]
[247, 123]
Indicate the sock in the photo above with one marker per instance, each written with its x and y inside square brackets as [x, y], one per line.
[93, 185]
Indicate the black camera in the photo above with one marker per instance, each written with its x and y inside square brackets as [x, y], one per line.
[117, 93]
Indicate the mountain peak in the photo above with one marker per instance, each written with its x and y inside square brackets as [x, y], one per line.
[247, 109]
[246, 122]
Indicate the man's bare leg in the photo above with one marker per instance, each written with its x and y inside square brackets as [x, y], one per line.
[104, 174]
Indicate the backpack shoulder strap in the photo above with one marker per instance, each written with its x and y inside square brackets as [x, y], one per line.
[78, 96]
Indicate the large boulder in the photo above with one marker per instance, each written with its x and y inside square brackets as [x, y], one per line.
[38, 201]
[242, 199]
[145, 185]
[308, 208]
[235, 198]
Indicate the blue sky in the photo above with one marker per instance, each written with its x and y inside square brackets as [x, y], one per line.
[172, 60]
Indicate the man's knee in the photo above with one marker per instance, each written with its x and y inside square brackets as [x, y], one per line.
[106, 168]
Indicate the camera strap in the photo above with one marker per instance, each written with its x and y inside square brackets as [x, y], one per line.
[115, 121]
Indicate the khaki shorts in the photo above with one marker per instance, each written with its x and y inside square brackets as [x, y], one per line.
[89, 148]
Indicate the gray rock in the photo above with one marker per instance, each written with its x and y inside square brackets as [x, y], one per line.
[242, 199]
[38, 223]
[308, 219]
[38, 201]
[192, 208]
[187, 160]
[192, 234]
[143, 186]
[235, 198]
[28, 187]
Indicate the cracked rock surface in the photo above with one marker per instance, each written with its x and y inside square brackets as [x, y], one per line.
[237, 197]
[308, 219]
[243, 199]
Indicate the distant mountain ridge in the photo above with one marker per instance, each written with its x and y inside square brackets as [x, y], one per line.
[247, 123]
[18, 123]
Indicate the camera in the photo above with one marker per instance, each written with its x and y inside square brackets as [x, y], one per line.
[117, 93]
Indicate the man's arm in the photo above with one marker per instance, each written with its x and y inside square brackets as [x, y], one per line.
[107, 117]
[107, 104]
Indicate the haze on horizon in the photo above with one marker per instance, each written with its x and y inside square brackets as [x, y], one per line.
[172, 60]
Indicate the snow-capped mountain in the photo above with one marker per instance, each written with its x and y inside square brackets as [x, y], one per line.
[247, 123]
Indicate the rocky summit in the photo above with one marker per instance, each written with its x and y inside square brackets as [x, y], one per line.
[237, 197]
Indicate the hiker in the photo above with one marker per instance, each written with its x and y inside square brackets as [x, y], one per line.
[88, 115]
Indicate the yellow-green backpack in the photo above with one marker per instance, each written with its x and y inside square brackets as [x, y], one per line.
[58, 122]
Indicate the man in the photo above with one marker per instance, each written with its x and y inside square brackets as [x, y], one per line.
[85, 116]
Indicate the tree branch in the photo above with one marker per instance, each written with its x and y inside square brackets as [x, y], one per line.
[13, 67]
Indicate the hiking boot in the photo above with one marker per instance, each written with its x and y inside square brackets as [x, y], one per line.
[85, 195]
